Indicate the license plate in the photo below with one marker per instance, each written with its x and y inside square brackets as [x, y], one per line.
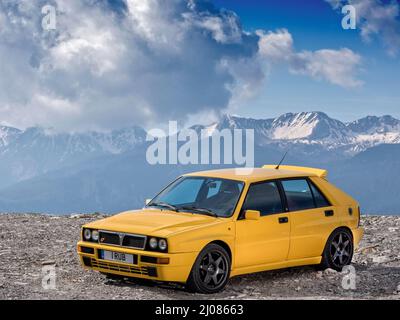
[116, 256]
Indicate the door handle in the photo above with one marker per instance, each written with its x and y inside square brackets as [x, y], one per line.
[329, 213]
[283, 220]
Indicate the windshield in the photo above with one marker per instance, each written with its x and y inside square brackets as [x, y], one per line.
[202, 195]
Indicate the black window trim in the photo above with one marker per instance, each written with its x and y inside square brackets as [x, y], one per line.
[281, 195]
[312, 184]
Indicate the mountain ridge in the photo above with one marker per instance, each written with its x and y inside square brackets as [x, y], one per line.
[301, 127]
[27, 153]
[317, 127]
[43, 171]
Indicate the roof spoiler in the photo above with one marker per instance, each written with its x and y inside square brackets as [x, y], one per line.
[318, 172]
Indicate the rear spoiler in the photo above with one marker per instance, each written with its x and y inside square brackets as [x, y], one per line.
[318, 172]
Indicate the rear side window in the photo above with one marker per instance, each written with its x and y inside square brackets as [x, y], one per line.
[298, 194]
[320, 199]
[263, 197]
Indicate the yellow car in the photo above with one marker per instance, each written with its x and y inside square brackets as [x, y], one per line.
[206, 227]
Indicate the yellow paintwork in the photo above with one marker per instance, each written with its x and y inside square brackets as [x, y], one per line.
[254, 245]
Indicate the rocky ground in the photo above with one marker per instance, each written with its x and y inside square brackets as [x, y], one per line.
[29, 242]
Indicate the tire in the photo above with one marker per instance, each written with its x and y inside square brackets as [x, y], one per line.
[211, 270]
[338, 250]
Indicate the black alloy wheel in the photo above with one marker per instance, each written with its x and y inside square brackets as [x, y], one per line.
[338, 250]
[211, 270]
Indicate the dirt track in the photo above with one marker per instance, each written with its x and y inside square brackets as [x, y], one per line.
[27, 242]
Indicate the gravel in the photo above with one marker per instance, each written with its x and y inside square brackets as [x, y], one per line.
[31, 242]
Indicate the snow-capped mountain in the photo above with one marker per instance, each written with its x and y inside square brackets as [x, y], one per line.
[44, 171]
[27, 153]
[310, 126]
[373, 124]
[118, 141]
[317, 128]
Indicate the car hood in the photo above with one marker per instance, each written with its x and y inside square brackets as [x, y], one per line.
[154, 222]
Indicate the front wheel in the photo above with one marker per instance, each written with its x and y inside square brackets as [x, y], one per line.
[210, 272]
[338, 250]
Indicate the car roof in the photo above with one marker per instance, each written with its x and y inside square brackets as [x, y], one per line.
[251, 174]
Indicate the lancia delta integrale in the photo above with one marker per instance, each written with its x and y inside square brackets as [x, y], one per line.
[206, 227]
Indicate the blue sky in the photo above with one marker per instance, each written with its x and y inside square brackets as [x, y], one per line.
[314, 25]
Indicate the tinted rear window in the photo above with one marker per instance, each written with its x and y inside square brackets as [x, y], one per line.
[320, 199]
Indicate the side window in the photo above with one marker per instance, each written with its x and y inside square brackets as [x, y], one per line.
[263, 197]
[298, 194]
[320, 199]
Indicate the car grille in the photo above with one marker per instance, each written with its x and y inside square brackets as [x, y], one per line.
[104, 266]
[122, 239]
[133, 241]
[109, 238]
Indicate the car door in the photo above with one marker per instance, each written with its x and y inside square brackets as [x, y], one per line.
[266, 240]
[311, 216]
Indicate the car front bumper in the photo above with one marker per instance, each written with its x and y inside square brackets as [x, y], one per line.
[171, 267]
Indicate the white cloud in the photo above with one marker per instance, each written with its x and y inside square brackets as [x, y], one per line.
[151, 61]
[115, 63]
[339, 67]
[376, 19]
[336, 66]
[224, 28]
[275, 46]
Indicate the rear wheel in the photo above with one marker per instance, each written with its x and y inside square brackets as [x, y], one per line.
[338, 250]
[210, 272]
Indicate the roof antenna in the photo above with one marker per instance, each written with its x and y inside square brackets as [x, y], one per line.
[280, 162]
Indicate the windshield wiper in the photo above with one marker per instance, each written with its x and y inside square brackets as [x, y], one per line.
[163, 204]
[200, 210]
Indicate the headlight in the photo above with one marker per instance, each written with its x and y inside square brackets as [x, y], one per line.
[153, 243]
[162, 244]
[87, 234]
[157, 244]
[95, 235]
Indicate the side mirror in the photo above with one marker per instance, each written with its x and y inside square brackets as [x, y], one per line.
[252, 215]
[147, 201]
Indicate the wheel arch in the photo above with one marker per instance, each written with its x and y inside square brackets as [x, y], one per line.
[224, 245]
[345, 228]
[337, 228]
